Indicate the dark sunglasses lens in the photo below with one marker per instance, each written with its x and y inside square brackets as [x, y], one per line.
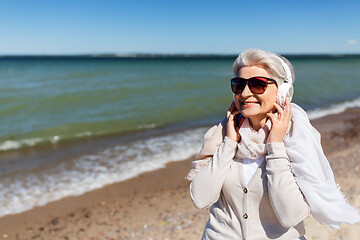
[238, 85]
[257, 85]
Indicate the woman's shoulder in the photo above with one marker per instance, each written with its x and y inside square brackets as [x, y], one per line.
[213, 139]
[217, 130]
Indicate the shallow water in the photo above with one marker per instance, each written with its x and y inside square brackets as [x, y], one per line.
[72, 125]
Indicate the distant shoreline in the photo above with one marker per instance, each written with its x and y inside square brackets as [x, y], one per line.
[161, 56]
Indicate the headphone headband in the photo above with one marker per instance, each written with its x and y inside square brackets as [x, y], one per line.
[288, 76]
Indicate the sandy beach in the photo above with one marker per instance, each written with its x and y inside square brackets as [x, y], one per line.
[156, 205]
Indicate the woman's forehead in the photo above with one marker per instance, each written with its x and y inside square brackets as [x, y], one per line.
[252, 71]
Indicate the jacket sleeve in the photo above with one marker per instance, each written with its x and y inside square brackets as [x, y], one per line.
[206, 186]
[285, 196]
[212, 141]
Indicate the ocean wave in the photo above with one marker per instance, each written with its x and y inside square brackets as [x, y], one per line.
[333, 109]
[16, 144]
[25, 191]
[146, 126]
[31, 142]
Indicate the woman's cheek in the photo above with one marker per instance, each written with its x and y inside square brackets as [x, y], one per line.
[237, 102]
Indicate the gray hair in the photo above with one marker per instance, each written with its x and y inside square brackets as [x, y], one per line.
[267, 60]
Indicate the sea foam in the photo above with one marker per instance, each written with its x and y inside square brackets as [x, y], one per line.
[25, 191]
[333, 109]
[15, 144]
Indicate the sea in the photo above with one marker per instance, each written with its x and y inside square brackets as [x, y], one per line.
[72, 124]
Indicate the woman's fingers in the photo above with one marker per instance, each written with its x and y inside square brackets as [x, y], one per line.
[279, 109]
[235, 112]
[232, 127]
[232, 114]
[231, 109]
[272, 117]
[228, 113]
[232, 106]
[280, 122]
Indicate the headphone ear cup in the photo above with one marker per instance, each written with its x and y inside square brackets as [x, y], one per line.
[285, 90]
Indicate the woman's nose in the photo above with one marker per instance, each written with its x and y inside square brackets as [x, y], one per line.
[246, 92]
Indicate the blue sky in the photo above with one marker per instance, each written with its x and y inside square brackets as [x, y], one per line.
[220, 27]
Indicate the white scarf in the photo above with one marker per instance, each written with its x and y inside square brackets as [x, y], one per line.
[313, 173]
[253, 143]
[252, 147]
[311, 168]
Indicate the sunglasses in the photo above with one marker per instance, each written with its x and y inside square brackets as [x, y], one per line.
[256, 85]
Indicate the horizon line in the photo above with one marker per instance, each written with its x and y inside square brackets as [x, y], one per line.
[166, 55]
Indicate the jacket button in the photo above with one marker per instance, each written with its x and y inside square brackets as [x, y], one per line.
[245, 190]
[245, 216]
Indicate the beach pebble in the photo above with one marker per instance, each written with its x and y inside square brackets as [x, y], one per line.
[54, 221]
[35, 236]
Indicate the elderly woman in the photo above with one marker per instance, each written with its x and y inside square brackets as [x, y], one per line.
[262, 169]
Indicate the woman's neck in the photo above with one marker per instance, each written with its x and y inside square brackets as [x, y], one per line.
[257, 124]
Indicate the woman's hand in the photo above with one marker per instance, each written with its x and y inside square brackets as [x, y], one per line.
[232, 127]
[279, 122]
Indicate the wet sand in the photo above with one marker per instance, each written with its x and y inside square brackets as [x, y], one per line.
[157, 205]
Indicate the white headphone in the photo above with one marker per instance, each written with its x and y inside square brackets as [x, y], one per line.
[286, 89]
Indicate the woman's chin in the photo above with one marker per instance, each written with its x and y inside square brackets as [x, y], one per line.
[250, 112]
[254, 115]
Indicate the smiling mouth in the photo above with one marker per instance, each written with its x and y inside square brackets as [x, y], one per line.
[250, 103]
